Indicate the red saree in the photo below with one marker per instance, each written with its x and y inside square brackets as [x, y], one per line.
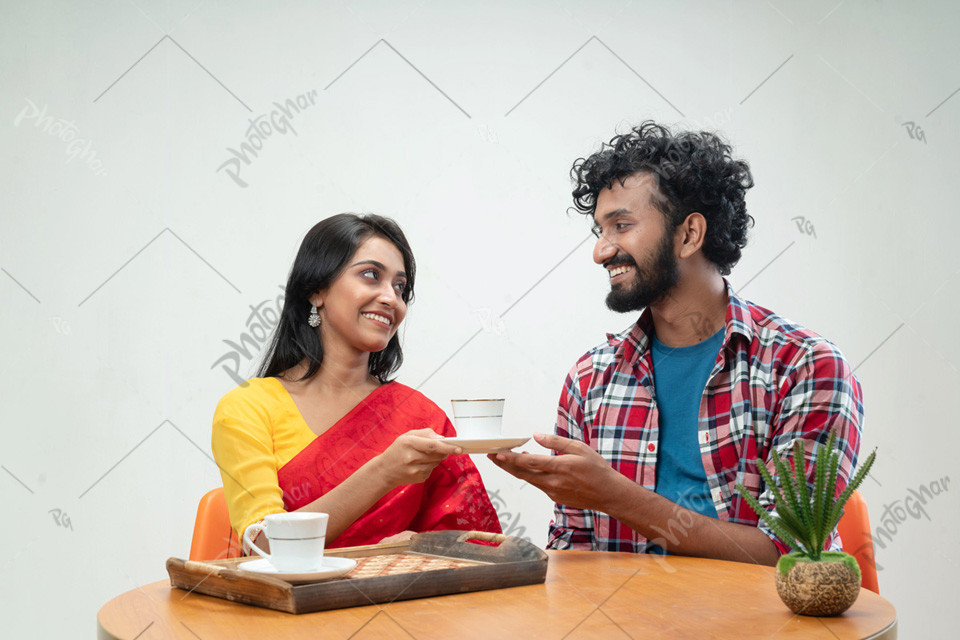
[453, 497]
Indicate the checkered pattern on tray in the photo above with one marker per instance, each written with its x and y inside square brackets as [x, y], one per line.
[387, 565]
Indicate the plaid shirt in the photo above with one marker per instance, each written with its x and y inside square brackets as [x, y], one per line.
[773, 382]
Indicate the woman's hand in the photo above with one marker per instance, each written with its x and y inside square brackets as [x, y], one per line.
[412, 457]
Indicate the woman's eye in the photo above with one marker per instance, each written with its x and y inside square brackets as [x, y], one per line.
[400, 287]
[370, 273]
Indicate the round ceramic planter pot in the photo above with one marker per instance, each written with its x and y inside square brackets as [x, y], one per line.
[825, 587]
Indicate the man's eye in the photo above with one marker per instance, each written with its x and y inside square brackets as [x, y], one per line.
[596, 231]
[620, 226]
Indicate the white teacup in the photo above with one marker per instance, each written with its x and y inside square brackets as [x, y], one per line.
[296, 540]
[478, 418]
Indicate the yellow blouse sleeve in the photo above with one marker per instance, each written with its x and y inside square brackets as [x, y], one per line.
[243, 447]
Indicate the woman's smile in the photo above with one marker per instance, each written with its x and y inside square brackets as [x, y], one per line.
[379, 319]
[364, 305]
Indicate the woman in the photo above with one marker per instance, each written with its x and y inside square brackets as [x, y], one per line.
[322, 428]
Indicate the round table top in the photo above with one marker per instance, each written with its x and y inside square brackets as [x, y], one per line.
[586, 594]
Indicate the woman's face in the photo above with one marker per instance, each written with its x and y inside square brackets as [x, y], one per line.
[363, 307]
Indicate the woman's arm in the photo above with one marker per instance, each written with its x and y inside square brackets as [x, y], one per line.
[242, 445]
[408, 460]
[243, 448]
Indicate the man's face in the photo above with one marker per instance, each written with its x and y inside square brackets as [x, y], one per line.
[634, 245]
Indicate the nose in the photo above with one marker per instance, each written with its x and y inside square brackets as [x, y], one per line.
[603, 250]
[387, 294]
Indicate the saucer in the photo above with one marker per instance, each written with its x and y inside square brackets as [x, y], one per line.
[485, 445]
[330, 568]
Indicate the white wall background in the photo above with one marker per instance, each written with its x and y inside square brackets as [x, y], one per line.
[128, 259]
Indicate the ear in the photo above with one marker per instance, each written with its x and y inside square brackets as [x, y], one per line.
[690, 234]
[317, 299]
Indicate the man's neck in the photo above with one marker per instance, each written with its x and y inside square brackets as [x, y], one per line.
[694, 310]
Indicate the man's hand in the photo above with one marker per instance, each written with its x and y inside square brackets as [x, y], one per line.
[582, 479]
[579, 478]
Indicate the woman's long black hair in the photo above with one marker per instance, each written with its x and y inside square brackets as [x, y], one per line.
[322, 257]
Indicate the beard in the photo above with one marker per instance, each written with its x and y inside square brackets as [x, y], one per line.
[650, 283]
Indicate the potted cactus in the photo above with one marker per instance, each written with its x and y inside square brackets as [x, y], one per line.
[809, 580]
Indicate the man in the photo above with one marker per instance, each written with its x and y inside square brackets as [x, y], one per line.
[657, 425]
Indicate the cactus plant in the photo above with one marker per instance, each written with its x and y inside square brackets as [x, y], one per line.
[805, 517]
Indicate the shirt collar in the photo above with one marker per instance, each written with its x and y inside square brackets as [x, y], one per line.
[634, 342]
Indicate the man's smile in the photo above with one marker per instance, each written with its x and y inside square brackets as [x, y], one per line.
[619, 270]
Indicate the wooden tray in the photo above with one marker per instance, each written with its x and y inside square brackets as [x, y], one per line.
[429, 564]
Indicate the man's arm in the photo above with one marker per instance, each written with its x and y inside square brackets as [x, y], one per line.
[820, 395]
[581, 478]
[571, 528]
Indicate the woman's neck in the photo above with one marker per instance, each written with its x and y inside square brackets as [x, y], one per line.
[338, 376]
[339, 373]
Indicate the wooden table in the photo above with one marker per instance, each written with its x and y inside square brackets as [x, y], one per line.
[587, 594]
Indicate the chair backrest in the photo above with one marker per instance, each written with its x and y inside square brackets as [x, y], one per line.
[854, 530]
[213, 537]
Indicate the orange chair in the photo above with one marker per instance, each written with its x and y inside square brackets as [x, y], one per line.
[213, 537]
[854, 530]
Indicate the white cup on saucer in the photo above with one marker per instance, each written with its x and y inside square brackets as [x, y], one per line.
[296, 540]
[478, 419]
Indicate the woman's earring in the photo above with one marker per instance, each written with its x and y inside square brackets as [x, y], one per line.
[314, 319]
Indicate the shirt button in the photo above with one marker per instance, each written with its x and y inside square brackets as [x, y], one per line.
[704, 437]
[652, 447]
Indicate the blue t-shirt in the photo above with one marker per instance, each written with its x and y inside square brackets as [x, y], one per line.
[680, 375]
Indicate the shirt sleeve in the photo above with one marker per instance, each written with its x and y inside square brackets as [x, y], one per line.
[571, 528]
[242, 445]
[819, 396]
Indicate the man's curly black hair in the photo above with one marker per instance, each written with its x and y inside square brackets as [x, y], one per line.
[695, 172]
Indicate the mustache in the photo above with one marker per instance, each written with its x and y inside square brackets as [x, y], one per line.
[620, 259]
